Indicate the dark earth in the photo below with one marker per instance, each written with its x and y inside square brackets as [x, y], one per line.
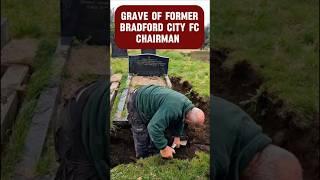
[240, 84]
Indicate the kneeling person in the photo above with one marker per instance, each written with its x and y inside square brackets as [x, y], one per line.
[154, 109]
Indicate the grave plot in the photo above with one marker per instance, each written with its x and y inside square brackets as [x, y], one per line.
[13, 82]
[144, 70]
[142, 80]
[84, 65]
[16, 66]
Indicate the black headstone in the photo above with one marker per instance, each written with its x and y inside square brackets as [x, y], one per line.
[148, 51]
[148, 65]
[85, 19]
[118, 52]
[4, 32]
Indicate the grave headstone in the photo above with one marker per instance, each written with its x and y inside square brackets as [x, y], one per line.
[148, 65]
[148, 51]
[4, 31]
[118, 52]
[86, 20]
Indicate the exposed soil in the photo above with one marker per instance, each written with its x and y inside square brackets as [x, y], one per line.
[200, 55]
[143, 80]
[239, 85]
[122, 146]
[198, 137]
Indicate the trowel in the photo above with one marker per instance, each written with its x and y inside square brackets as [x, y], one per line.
[183, 142]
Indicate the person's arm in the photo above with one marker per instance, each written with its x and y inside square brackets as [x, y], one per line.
[158, 124]
[177, 130]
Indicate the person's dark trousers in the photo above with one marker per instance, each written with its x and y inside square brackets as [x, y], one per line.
[142, 143]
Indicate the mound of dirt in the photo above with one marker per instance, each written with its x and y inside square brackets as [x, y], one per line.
[122, 146]
[239, 85]
[198, 137]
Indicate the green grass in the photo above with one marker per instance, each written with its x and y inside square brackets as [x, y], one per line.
[181, 64]
[119, 66]
[157, 168]
[36, 18]
[38, 81]
[281, 39]
[47, 160]
[31, 19]
[195, 71]
[117, 99]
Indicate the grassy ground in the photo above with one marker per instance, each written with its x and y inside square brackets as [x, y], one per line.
[281, 39]
[30, 19]
[13, 150]
[156, 168]
[181, 64]
[36, 18]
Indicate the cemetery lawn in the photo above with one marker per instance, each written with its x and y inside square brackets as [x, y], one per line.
[280, 39]
[181, 64]
[33, 19]
[157, 168]
[38, 81]
[40, 20]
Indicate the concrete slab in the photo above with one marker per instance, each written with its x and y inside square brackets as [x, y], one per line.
[113, 92]
[37, 133]
[116, 78]
[11, 82]
[44, 114]
[84, 61]
[13, 78]
[114, 86]
[9, 111]
[20, 51]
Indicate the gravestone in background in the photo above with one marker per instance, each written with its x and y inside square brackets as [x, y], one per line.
[148, 51]
[87, 20]
[118, 52]
[148, 65]
[4, 32]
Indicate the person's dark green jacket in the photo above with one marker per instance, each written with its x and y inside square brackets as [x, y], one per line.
[235, 139]
[162, 108]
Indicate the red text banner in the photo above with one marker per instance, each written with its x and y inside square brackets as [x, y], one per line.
[159, 27]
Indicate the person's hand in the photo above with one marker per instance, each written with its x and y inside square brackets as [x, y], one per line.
[167, 152]
[176, 142]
